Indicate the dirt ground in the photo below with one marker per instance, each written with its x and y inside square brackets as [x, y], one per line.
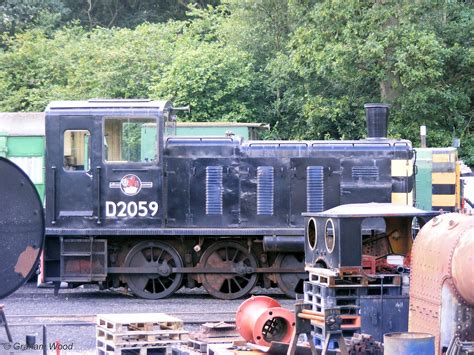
[31, 307]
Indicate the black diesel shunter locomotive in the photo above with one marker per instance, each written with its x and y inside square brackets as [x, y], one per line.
[127, 203]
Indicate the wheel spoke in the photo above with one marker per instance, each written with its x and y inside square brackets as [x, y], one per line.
[160, 255]
[235, 254]
[229, 286]
[161, 283]
[235, 282]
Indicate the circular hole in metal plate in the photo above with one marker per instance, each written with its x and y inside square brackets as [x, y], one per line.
[330, 235]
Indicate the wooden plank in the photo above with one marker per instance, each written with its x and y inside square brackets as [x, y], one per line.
[132, 321]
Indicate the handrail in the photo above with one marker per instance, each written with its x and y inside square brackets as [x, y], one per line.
[99, 195]
[53, 168]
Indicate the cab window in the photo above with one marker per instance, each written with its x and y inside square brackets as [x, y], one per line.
[130, 140]
[76, 152]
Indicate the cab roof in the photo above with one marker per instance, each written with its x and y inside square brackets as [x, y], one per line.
[108, 103]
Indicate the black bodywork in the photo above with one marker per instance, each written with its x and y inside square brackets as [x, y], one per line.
[218, 187]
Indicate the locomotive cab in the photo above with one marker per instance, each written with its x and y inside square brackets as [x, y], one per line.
[104, 163]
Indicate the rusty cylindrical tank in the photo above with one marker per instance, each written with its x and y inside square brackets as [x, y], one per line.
[442, 280]
[261, 320]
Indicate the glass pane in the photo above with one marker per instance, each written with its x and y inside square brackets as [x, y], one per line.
[76, 150]
[130, 140]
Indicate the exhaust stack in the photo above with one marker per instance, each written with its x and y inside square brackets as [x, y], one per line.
[377, 120]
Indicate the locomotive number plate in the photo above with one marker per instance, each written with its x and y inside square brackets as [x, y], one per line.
[131, 209]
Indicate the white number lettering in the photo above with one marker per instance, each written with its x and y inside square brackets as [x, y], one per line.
[153, 205]
[122, 207]
[110, 209]
[142, 210]
[132, 209]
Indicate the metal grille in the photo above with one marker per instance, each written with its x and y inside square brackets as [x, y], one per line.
[315, 189]
[265, 190]
[371, 172]
[214, 190]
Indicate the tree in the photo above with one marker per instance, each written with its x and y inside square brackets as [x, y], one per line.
[403, 53]
[217, 78]
[19, 15]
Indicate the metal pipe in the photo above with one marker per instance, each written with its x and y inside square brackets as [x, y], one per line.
[278, 243]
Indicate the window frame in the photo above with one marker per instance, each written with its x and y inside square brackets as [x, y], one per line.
[89, 151]
[131, 117]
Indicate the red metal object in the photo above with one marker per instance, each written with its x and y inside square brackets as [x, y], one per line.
[442, 282]
[261, 320]
[369, 263]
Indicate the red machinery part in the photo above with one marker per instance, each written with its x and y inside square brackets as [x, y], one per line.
[261, 320]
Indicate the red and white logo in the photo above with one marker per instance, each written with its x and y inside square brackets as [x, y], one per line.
[130, 185]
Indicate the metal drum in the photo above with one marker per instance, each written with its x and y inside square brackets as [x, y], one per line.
[21, 227]
[408, 344]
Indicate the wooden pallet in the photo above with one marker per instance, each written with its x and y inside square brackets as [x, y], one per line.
[137, 336]
[108, 349]
[138, 321]
[330, 278]
[116, 333]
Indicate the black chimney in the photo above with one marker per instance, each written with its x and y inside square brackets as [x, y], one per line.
[377, 120]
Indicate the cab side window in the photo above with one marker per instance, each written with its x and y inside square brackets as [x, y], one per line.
[130, 140]
[76, 150]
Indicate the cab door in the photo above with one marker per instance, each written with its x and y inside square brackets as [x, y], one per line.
[132, 176]
[74, 173]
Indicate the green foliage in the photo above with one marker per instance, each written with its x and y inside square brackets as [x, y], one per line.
[217, 81]
[304, 66]
[403, 53]
[19, 15]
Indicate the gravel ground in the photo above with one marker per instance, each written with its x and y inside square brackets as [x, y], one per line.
[40, 306]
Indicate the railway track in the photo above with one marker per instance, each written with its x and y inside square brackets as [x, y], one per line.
[189, 318]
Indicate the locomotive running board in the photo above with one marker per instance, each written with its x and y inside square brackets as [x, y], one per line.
[176, 231]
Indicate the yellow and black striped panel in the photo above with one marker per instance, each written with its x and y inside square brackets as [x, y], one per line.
[444, 179]
[402, 181]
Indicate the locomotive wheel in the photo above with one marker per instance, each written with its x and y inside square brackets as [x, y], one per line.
[288, 282]
[161, 256]
[226, 255]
